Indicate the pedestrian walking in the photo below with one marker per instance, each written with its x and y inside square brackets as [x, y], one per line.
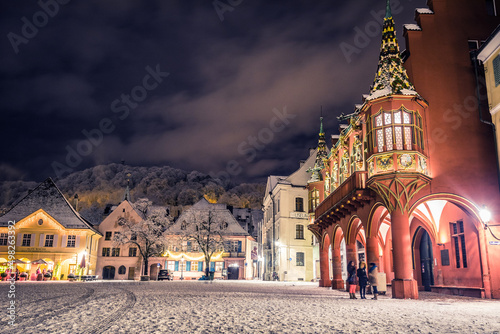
[351, 279]
[362, 279]
[373, 275]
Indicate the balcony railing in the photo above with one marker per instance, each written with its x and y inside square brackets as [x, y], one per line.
[357, 181]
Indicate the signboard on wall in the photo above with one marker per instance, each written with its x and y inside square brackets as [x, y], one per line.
[299, 215]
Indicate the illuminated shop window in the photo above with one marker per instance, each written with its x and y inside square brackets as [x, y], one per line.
[395, 130]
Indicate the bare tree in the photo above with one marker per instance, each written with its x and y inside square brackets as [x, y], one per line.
[147, 234]
[205, 228]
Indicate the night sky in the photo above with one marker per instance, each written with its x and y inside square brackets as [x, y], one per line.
[234, 89]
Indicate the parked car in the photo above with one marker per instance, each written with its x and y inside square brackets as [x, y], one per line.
[165, 274]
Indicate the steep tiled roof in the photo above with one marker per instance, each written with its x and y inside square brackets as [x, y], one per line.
[220, 211]
[50, 199]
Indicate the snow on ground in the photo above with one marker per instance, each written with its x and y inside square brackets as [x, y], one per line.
[234, 307]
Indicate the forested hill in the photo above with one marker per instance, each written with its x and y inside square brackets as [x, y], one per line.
[106, 184]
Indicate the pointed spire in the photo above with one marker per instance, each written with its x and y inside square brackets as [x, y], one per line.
[391, 77]
[322, 153]
[126, 196]
[388, 13]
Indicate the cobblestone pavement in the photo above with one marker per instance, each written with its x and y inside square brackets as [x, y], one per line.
[233, 307]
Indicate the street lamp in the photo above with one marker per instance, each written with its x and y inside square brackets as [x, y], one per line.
[182, 268]
[485, 215]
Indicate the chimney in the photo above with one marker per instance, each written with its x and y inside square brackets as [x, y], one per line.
[311, 151]
[301, 163]
[75, 202]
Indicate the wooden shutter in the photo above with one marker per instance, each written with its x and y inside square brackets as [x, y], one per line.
[176, 268]
[64, 241]
[32, 242]
[55, 240]
[239, 246]
[200, 266]
[19, 239]
[212, 266]
[77, 241]
[188, 265]
[42, 240]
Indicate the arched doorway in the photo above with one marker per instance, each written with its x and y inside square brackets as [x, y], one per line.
[108, 272]
[154, 270]
[426, 258]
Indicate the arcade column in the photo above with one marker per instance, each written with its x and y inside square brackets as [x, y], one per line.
[372, 251]
[324, 266]
[403, 285]
[337, 282]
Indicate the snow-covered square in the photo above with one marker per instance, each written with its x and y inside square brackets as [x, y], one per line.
[234, 307]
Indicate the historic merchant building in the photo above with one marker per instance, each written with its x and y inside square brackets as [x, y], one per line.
[412, 179]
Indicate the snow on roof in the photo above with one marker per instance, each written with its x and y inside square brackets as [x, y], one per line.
[424, 11]
[220, 211]
[412, 26]
[50, 199]
[386, 91]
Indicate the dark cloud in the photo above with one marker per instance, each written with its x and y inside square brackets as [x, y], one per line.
[225, 78]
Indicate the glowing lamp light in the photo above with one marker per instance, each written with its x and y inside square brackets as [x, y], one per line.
[485, 215]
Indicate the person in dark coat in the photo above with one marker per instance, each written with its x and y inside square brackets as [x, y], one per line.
[362, 279]
[373, 275]
[351, 279]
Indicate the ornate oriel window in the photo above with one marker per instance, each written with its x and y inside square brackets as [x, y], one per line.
[313, 199]
[399, 129]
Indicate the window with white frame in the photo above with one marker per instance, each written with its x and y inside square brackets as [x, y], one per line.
[3, 239]
[132, 252]
[299, 231]
[299, 204]
[26, 240]
[71, 241]
[49, 240]
[299, 259]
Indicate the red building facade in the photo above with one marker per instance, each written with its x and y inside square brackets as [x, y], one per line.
[413, 173]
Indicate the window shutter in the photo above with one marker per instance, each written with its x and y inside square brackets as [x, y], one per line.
[200, 266]
[55, 240]
[239, 246]
[63, 241]
[77, 241]
[32, 242]
[19, 239]
[212, 266]
[176, 268]
[188, 265]
[42, 240]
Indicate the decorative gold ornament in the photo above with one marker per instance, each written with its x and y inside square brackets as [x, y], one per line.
[406, 161]
[385, 162]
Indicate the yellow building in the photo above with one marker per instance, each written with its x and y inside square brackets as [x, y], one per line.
[489, 55]
[49, 235]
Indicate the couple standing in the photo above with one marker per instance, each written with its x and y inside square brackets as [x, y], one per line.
[362, 278]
